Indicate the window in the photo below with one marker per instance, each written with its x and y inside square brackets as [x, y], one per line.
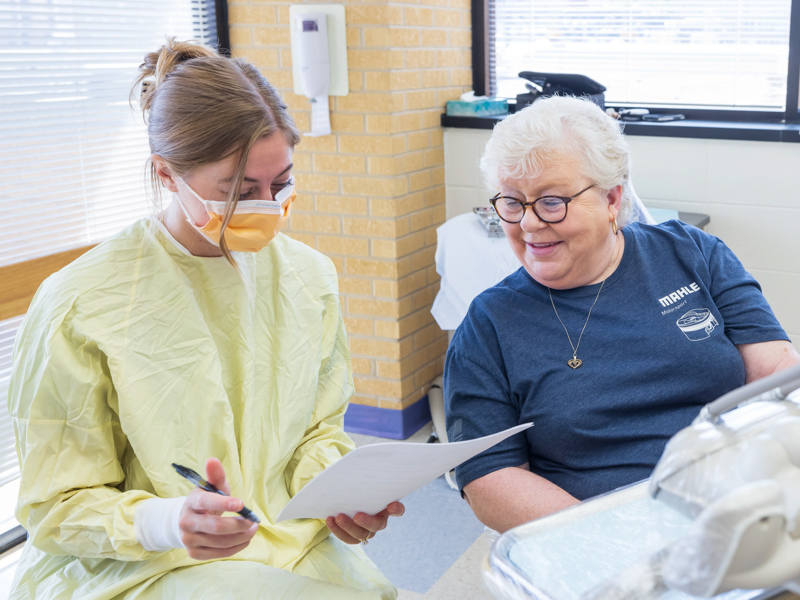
[706, 54]
[72, 151]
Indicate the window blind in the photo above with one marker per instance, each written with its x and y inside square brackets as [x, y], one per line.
[713, 53]
[72, 150]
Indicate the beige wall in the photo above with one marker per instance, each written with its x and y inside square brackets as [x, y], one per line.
[371, 195]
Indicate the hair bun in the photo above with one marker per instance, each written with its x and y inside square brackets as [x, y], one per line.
[159, 64]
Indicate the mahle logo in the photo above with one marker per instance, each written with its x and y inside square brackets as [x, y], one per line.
[679, 293]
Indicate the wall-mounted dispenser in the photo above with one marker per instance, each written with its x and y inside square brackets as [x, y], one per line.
[319, 58]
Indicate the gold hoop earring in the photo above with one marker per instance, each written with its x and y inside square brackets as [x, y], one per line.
[614, 227]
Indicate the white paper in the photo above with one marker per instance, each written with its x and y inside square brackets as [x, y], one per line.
[370, 477]
[320, 117]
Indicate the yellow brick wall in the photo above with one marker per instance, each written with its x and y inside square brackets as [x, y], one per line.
[371, 195]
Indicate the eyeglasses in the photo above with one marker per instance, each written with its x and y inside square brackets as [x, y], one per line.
[550, 209]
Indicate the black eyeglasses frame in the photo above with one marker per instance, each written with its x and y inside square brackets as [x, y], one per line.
[566, 200]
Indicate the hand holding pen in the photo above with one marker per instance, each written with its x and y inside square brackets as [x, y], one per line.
[204, 532]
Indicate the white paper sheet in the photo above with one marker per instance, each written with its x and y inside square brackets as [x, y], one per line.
[320, 117]
[369, 478]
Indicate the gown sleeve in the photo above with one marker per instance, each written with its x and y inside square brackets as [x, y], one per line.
[69, 444]
[325, 441]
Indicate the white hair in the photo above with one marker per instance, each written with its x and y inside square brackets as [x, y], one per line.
[556, 127]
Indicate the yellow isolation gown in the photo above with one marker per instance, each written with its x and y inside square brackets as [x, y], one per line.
[138, 355]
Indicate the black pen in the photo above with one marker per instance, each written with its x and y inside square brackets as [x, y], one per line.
[195, 478]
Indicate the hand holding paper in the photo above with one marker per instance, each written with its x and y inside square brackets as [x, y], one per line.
[369, 478]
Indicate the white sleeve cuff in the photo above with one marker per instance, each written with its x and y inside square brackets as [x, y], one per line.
[155, 523]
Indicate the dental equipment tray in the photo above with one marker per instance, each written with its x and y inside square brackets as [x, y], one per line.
[568, 554]
[490, 221]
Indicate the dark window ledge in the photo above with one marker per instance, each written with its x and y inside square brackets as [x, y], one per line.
[689, 128]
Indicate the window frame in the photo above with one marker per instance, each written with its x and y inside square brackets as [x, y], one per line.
[481, 74]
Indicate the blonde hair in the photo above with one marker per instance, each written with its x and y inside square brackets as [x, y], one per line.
[556, 127]
[201, 107]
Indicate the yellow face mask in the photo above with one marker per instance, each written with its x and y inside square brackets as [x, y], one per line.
[254, 222]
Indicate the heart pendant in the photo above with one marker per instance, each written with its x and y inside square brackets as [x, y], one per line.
[574, 362]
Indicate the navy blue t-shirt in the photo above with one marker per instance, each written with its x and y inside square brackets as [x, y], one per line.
[659, 345]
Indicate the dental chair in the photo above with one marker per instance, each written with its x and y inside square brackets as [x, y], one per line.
[719, 517]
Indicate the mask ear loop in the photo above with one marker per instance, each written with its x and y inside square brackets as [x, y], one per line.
[183, 206]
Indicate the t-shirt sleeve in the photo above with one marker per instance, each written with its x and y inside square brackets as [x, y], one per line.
[747, 314]
[478, 400]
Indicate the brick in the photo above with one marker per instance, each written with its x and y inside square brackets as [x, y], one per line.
[399, 144]
[343, 245]
[465, 4]
[443, 96]
[385, 288]
[376, 81]
[365, 14]
[304, 202]
[435, 196]
[431, 118]
[424, 297]
[460, 38]
[388, 329]
[386, 228]
[417, 16]
[419, 181]
[435, 38]
[364, 401]
[355, 285]
[403, 37]
[448, 58]
[318, 183]
[353, 37]
[383, 387]
[406, 122]
[262, 58]
[368, 186]
[379, 349]
[301, 160]
[428, 373]
[372, 268]
[410, 203]
[437, 137]
[383, 165]
[283, 15]
[447, 18]
[405, 80]
[316, 223]
[376, 36]
[338, 264]
[359, 326]
[418, 140]
[416, 59]
[325, 143]
[281, 79]
[394, 15]
[405, 402]
[383, 207]
[343, 205]
[272, 36]
[367, 59]
[412, 161]
[461, 77]
[365, 144]
[286, 58]
[347, 123]
[379, 124]
[383, 248]
[364, 102]
[434, 157]
[241, 14]
[241, 36]
[362, 366]
[336, 163]
[426, 336]
[309, 239]
[436, 78]
[355, 81]
[397, 59]
[402, 368]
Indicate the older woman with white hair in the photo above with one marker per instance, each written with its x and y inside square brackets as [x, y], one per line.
[612, 335]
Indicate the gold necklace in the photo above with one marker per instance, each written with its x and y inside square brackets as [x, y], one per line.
[576, 362]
